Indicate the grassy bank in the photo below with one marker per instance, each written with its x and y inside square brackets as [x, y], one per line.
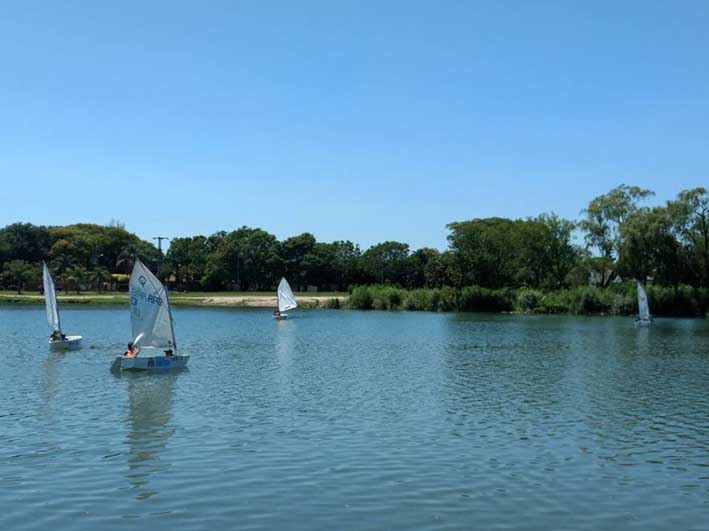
[616, 300]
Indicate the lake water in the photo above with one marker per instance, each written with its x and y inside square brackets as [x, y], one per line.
[354, 420]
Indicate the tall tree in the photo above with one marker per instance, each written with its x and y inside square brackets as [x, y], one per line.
[604, 217]
[17, 273]
[425, 264]
[691, 217]
[546, 253]
[294, 250]
[485, 251]
[248, 256]
[24, 241]
[387, 262]
[649, 248]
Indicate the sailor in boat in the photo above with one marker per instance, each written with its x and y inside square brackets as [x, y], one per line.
[57, 336]
[130, 353]
[277, 313]
[169, 353]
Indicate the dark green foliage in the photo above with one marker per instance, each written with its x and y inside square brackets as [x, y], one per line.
[360, 298]
[387, 262]
[620, 299]
[17, 274]
[528, 300]
[477, 299]
[492, 264]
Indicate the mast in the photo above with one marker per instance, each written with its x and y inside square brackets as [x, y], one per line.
[172, 325]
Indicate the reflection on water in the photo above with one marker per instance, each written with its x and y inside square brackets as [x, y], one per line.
[285, 335]
[356, 420]
[148, 427]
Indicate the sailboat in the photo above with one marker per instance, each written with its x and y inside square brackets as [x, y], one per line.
[644, 318]
[57, 340]
[286, 300]
[151, 323]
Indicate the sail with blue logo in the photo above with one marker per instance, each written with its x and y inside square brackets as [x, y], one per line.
[50, 299]
[149, 310]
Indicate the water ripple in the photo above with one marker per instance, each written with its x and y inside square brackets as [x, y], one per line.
[340, 419]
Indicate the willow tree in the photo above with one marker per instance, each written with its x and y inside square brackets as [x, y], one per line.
[691, 217]
[604, 217]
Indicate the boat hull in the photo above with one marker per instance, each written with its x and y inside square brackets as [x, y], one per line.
[149, 363]
[68, 343]
[281, 317]
[643, 323]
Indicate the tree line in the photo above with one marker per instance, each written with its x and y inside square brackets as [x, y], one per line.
[617, 237]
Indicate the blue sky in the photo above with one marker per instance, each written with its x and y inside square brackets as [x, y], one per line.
[367, 121]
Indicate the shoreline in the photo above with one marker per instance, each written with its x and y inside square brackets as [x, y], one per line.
[207, 300]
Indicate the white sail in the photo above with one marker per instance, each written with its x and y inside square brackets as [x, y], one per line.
[643, 307]
[149, 310]
[50, 299]
[286, 299]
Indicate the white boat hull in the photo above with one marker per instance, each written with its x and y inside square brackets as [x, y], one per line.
[69, 342]
[280, 317]
[149, 363]
[643, 323]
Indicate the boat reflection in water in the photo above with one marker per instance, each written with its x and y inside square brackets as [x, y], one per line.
[148, 427]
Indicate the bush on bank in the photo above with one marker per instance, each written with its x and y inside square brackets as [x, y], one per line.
[619, 299]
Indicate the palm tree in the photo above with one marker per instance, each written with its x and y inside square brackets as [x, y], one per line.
[126, 258]
[62, 265]
[78, 275]
[98, 276]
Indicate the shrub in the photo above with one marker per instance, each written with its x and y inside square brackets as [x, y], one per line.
[360, 298]
[477, 299]
[421, 300]
[528, 300]
[333, 304]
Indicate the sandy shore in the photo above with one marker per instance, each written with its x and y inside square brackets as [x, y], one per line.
[253, 301]
[310, 301]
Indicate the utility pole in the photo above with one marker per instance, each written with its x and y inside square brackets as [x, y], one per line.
[160, 239]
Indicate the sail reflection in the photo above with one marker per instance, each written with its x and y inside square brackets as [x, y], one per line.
[284, 339]
[148, 427]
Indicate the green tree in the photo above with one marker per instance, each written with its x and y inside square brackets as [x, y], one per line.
[485, 251]
[387, 262]
[187, 258]
[24, 241]
[98, 276]
[545, 252]
[247, 256]
[345, 263]
[604, 217]
[77, 275]
[319, 266]
[17, 273]
[61, 267]
[690, 212]
[649, 248]
[294, 250]
[424, 267]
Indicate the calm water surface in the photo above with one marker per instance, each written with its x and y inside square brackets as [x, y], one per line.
[354, 420]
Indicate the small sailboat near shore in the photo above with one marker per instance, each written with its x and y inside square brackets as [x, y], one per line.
[57, 340]
[286, 300]
[151, 323]
[644, 318]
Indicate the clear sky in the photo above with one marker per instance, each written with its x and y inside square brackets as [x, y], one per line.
[358, 120]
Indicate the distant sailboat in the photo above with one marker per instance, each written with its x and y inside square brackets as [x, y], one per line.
[151, 322]
[286, 300]
[57, 340]
[644, 318]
